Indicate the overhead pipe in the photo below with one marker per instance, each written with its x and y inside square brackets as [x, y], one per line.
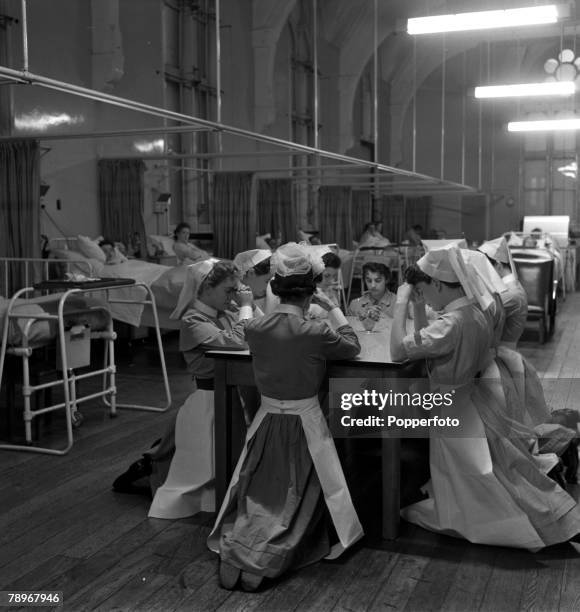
[34, 79]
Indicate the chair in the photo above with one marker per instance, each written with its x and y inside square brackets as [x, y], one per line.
[536, 274]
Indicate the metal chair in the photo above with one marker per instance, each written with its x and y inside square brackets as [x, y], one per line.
[536, 274]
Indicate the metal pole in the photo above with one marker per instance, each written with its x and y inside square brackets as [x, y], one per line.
[375, 86]
[91, 94]
[218, 73]
[24, 37]
[463, 120]
[443, 75]
[315, 61]
[415, 93]
[480, 133]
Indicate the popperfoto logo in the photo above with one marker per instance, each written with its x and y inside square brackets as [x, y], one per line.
[391, 408]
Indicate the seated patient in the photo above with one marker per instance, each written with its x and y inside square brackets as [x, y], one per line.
[377, 301]
[186, 252]
[112, 254]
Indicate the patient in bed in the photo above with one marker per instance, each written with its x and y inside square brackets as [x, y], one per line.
[112, 253]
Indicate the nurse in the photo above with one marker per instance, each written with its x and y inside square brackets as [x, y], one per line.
[485, 485]
[514, 298]
[288, 481]
[180, 466]
[255, 270]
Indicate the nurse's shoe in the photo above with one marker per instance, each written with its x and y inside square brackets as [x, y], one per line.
[251, 582]
[229, 575]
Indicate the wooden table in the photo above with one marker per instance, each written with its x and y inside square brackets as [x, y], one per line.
[235, 368]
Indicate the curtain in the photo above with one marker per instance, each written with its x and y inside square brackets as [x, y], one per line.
[391, 211]
[362, 211]
[276, 210]
[418, 212]
[335, 214]
[19, 206]
[233, 213]
[121, 199]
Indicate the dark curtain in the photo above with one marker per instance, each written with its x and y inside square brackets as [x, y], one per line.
[335, 215]
[362, 211]
[233, 213]
[418, 212]
[276, 210]
[19, 205]
[121, 199]
[391, 211]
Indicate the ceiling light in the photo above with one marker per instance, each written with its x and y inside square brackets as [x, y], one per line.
[484, 20]
[554, 88]
[546, 125]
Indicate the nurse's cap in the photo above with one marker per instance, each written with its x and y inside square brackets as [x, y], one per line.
[293, 259]
[496, 249]
[437, 264]
[248, 259]
[195, 274]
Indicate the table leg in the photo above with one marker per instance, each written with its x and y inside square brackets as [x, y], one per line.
[391, 469]
[223, 432]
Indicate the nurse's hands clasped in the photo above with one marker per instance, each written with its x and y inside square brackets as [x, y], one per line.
[244, 296]
[323, 300]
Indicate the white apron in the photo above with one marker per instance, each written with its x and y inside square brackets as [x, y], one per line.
[189, 487]
[465, 497]
[326, 464]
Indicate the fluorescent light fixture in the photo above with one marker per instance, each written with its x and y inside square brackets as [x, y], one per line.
[484, 20]
[547, 125]
[555, 88]
[38, 120]
[150, 146]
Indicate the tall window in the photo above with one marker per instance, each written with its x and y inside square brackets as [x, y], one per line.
[301, 94]
[190, 88]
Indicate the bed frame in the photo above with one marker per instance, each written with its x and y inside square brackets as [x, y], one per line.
[68, 381]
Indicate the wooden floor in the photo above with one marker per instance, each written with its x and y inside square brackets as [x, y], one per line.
[62, 528]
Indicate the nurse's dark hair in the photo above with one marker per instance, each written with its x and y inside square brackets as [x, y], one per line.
[331, 260]
[378, 268]
[223, 270]
[414, 275]
[262, 268]
[294, 286]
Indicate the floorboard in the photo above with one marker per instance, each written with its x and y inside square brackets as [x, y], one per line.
[62, 528]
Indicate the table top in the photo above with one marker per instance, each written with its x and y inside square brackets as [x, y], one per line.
[375, 348]
[98, 283]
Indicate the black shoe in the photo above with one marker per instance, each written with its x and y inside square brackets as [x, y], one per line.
[139, 469]
[229, 575]
[251, 582]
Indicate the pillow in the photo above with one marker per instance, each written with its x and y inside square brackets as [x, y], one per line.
[163, 244]
[93, 266]
[304, 236]
[91, 249]
[261, 242]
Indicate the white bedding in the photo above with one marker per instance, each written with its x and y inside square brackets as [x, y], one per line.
[141, 272]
